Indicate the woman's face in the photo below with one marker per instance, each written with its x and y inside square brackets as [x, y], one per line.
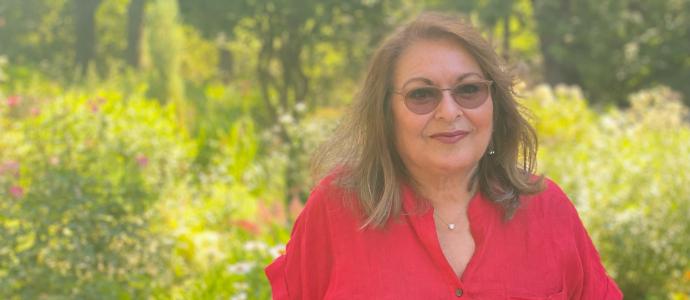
[450, 139]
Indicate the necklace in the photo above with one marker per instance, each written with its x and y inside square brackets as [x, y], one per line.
[451, 226]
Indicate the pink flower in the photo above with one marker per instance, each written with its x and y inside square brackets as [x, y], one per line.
[10, 166]
[142, 160]
[35, 111]
[16, 191]
[248, 226]
[89, 143]
[273, 214]
[296, 207]
[95, 104]
[13, 101]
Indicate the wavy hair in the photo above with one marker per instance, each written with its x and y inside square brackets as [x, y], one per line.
[363, 149]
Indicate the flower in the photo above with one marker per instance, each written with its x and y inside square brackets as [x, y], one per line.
[296, 207]
[95, 104]
[239, 296]
[240, 268]
[276, 251]
[13, 101]
[241, 286]
[142, 160]
[10, 166]
[286, 119]
[255, 246]
[35, 111]
[248, 226]
[300, 107]
[273, 213]
[16, 191]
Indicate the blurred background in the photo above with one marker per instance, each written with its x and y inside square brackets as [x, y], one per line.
[158, 149]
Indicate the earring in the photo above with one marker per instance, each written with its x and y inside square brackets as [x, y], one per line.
[491, 151]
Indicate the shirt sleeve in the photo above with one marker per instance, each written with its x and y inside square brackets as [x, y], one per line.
[595, 282]
[304, 271]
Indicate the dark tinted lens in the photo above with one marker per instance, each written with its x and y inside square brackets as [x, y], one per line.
[422, 100]
[470, 95]
[467, 89]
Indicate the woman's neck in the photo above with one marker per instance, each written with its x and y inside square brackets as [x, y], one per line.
[443, 189]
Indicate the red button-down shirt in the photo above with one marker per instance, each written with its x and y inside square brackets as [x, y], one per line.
[543, 252]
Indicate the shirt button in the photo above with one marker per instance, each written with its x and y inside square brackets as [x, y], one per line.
[458, 292]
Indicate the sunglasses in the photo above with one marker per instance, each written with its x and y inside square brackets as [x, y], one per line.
[423, 100]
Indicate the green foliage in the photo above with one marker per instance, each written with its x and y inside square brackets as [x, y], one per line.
[106, 194]
[627, 173]
[239, 276]
[78, 198]
[614, 47]
[111, 32]
[164, 42]
[100, 195]
[35, 32]
[225, 225]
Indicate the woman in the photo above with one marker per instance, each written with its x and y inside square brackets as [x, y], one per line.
[430, 192]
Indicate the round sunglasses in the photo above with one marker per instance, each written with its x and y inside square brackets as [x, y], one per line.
[423, 100]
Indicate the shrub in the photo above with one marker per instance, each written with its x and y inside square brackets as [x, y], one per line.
[90, 171]
[626, 171]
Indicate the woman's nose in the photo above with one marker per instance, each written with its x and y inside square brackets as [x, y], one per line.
[448, 109]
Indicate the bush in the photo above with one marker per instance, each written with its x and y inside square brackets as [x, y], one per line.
[626, 171]
[78, 196]
[107, 197]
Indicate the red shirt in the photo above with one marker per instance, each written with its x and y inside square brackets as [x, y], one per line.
[543, 252]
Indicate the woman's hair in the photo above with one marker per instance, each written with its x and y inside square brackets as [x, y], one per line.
[363, 154]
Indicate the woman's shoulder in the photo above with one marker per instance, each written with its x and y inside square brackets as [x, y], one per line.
[329, 190]
[551, 201]
[328, 196]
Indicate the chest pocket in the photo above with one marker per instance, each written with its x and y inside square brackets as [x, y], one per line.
[557, 296]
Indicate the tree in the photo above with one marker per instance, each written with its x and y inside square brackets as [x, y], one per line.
[135, 18]
[494, 16]
[84, 29]
[289, 33]
[36, 32]
[614, 47]
[165, 41]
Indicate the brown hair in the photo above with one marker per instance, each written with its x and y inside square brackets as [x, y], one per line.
[363, 146]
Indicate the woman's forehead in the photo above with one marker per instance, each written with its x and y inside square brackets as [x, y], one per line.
[435, 61]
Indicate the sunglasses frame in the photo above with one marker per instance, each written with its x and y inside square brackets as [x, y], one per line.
[486, 83]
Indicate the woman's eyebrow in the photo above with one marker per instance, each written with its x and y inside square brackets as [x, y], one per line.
[463, 76]
[431, 82]
[423, 79]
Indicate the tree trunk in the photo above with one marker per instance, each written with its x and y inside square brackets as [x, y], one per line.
[225, 63]
[135, 18]
[551, 18]
[85, 32]
[506, 37]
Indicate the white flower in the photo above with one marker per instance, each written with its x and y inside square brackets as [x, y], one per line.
[255, 246]
[239, 296]
[241, 268]
[300, 107]
[276, 251]
[241, 286]
[286, 119]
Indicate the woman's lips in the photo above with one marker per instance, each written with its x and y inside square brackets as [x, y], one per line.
[449, 137]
